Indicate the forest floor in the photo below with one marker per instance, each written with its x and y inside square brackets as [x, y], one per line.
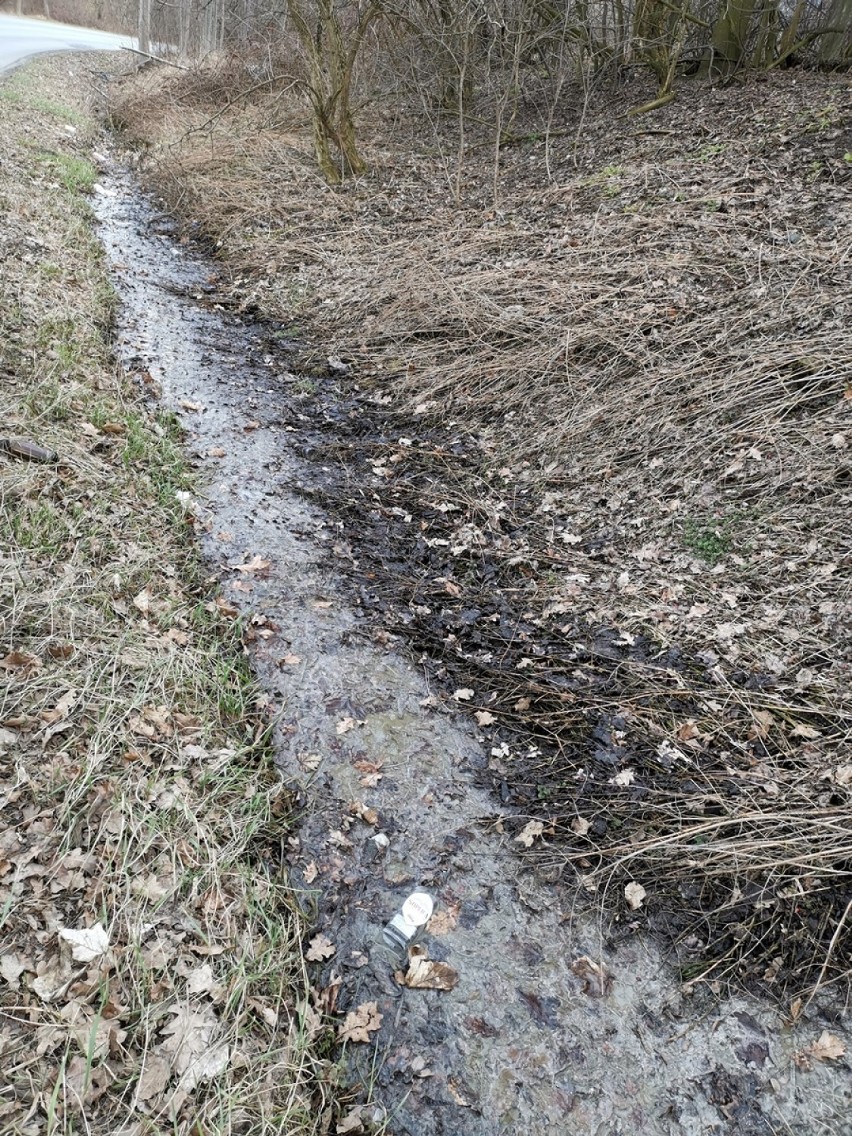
[586, 425]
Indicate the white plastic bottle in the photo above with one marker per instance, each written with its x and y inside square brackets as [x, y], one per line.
[408, 921]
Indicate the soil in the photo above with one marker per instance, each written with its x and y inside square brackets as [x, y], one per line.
[554, 1023]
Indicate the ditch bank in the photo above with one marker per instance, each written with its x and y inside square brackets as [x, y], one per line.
[541, 1025]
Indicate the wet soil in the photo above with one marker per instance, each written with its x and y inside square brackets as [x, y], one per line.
[550, 1028]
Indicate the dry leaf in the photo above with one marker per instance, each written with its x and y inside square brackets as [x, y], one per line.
[803, 731]
[597, 981]
[256, 564]
[87, 944]
[580, 826]
[529, 832]
[143, 601]
[463, 694]
[19, 660]
[60, 710]
[360, 1023]
[154, 1078]
[634, 894]
[484, 717]
[444, 921]
[827, 1047]
[319, 949]
[188, 1039]
[11, 969]
[425, 974]
[352, 1122]
[624, 778]
[200, 980]
[345, 725]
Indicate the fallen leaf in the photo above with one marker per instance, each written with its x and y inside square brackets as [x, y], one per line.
[154, 1078]
[87, 944]
[426, 974]
[11, 969]
[188, 1039]
[216, 452]
[200, 979]
[827, 1047]
[256, 564]
[444, 921]
[227, 609]
[529, 833]
[291, 660]
[19, 660]
[60, 650]
[345, 725]
[352, 1122]
[463, 694]
[634, 894]
[688, 731]
[803, 731]
[597, 981]
[142, 602]
[60, 710]
[460, 1100]
[360, 1023]
[484, 717]
[319, 949]
[624, 778]
[580, 826]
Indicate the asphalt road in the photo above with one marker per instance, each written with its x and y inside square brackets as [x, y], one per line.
[21, 38]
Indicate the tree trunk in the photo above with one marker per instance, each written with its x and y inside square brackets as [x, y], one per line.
[331, 65]
[730, 35]
[836, 45]
[144, 26]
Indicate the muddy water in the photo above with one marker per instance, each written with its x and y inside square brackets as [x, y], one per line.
[532, 1039]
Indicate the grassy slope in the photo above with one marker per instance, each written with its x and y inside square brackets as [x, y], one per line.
[627, 376]
[136, 789]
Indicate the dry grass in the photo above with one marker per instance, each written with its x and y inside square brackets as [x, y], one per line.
[629, 375]
[137, 787]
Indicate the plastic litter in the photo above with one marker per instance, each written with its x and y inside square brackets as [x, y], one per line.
[408, 921]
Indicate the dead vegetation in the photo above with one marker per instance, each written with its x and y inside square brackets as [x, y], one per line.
[595, 464]
[151, 973]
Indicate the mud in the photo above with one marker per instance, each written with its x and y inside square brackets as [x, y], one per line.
[548, 1029]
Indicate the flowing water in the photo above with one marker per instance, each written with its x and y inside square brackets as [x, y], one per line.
[547, 1030]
